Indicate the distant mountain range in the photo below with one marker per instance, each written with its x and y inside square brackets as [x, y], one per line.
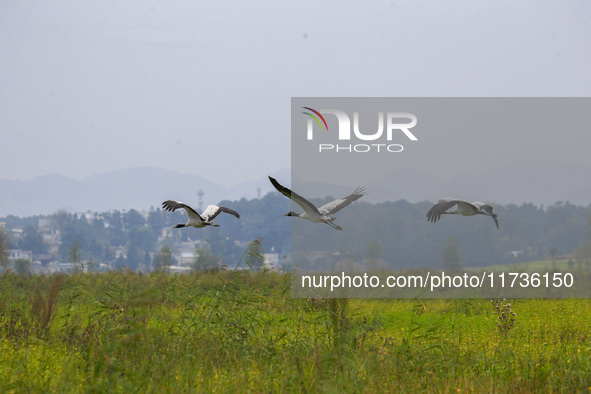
[542, 182]
[134, 188]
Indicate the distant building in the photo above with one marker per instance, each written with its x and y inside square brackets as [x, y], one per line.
[17, 232]
[515, 253]
[118, 251]
[15, 254]
[56, 266]
[271, 261]
[42, 258]
[178, 269]
[185, 253]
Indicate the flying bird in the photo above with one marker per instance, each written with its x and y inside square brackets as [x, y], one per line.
[461, 208]
[196, 220]
[323, 213]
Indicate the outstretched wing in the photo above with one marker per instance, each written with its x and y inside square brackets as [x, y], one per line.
[212, 211]
[337, 205]
[444, 204]
[301, 201]
[173, 205]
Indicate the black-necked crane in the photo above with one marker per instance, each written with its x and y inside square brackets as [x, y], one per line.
[322, 214]
[461, 208]
[196, 220]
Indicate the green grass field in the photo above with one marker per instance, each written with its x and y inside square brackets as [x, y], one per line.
[242, 331]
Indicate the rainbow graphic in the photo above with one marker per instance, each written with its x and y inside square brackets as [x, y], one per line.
[315, 118]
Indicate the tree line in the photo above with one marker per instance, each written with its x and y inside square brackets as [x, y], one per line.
[390, 234]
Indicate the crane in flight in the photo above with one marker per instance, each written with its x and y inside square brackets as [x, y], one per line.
[196, 220]
[322, 214]
[443, 206]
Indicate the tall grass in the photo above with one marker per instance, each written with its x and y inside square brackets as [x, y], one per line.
[241, 331]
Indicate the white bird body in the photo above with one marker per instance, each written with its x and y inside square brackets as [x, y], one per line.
[443, 206]
[322, 214]
[196, 220]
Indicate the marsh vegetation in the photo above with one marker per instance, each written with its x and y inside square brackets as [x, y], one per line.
[242, 331]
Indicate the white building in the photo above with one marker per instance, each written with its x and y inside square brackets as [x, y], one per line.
[271, 261]
[15, 254]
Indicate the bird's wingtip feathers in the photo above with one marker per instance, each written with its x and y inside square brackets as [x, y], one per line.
[362, 191]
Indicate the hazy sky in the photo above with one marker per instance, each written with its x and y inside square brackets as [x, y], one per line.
[205, 87]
